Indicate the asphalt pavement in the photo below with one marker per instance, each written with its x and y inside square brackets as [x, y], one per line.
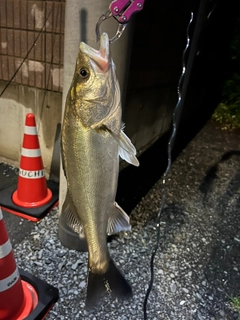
[197, 265]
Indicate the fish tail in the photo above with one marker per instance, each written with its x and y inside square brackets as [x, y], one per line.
[112, 282]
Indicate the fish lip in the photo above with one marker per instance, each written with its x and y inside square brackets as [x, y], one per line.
[104, 46]
[101, 57]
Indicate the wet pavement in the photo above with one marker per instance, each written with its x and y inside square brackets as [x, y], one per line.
[197, 266]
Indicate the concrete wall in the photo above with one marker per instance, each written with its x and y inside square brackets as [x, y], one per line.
[17, 101]
[155, 67]
[37, 86]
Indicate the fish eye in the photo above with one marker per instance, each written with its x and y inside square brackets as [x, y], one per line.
[84, 73]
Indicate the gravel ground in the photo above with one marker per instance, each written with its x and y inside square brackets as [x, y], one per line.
[197, 267]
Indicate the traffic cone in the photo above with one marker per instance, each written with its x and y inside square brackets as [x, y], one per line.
[34, 196]
[19, 298]
[32, 188]
[11, 286]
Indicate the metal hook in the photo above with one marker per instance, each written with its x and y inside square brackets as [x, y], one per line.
[120, 30]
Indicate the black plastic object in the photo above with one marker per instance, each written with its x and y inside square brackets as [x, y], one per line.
[47, 295]
[68, 237]
[33, 214]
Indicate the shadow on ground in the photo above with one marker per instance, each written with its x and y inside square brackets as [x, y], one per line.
[223, 269]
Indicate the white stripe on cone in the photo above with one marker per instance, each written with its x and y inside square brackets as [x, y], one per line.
[1, 216]
[30, 130]
[31, 153]
[31, 174]
[5, 249]
[10, 281]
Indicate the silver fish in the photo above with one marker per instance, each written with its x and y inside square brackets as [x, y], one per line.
[92, 141]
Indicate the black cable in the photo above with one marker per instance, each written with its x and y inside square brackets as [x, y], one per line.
[176, 118]
[35, 41]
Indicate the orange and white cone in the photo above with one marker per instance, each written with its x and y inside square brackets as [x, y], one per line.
[32, 188]
[17, 297]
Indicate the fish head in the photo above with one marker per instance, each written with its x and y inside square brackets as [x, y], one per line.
[94, 92]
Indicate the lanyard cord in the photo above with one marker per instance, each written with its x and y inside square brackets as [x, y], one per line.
[176, 118]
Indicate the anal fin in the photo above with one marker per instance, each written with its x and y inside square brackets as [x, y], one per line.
[71, 217]
[118, 220]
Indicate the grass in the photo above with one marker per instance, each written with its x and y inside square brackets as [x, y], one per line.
[228, 116]
[236, 304]
[227, 113]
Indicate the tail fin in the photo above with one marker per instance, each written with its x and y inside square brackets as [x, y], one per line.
[111, 282]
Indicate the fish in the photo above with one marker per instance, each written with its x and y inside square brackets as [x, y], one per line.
[92, 140]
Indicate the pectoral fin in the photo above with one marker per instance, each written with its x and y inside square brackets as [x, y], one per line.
[118, 221]
[71, 217]
[127, 150]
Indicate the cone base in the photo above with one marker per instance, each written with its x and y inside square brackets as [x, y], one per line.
[35, 204]
[34, 213]
[47, 295]
[30, 300]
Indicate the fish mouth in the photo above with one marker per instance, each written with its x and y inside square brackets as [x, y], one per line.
[102, 57]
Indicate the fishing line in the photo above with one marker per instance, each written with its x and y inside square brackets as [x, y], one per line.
[32, 46]
[176, 118]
